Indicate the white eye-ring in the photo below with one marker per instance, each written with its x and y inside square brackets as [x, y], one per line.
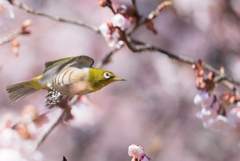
[107, 75]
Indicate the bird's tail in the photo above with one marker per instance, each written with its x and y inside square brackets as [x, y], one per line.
[17, 91]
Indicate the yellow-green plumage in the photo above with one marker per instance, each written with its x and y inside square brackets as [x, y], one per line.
[69, 76]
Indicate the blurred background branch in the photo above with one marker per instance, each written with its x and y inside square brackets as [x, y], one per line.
[159, 91]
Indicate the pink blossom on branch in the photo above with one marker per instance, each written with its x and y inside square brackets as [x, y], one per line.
[203, 99]
[111, 35]
[110, 30]
[221, 124]
[234, 114]
[137, 152]
[119, 20]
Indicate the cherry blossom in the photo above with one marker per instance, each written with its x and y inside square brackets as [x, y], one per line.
[111, 32]
[119, 20]
[221, 124]
[234, 114]
[7, 154]
[203, 98]
[112, 37]
[206, 115]
[137, 151]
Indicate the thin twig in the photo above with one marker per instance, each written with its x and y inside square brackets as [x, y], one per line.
[109, 4]
[10, 37]
[55, 18]
[137, 15]
[21, 31]
[107, 58]
[151, 16]
[140, 47]
[56, 120]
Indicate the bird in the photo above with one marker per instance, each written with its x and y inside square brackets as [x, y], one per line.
[66, 76]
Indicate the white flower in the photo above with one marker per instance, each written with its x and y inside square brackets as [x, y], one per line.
[113, 40]
[9, 138]
[7, 154]
[36, 156]
[234, 114]
[206, 115]
[135, 150]
[204, 99]
[119, 20]
[221, 124]
[6, 9]
[104, 29]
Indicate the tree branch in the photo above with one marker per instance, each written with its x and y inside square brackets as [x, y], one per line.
[55, 18]
[139, 46]
[133, 45]
[56, 120]
[109, 4]
[10, 37]
[107, 58]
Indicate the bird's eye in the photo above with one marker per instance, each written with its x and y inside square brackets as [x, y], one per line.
[107, 75]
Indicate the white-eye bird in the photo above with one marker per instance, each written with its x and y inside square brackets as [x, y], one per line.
[68, 76]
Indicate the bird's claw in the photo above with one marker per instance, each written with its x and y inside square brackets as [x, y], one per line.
[53, 98]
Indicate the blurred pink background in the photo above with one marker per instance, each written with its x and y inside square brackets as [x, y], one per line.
[154, 107]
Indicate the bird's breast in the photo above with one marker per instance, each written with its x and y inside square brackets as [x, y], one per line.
[72, 80]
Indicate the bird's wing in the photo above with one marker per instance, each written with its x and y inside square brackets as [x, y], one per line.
[52, 68]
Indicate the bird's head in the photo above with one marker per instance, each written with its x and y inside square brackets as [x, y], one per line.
[98, 78]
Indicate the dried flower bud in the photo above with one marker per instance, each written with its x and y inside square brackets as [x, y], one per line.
[211, 75]
[222, 70]
[102, 3]
[199, 62]
[194, 66]
[26, 23]
[110, 24]
[232, 99]
[15, 45]
[150, 26]
[201, 72]
[26, 31]
[23, 132]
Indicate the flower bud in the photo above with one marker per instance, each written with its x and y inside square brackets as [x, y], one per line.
[26, 23]
[102, 3]
[211, 75]
[199, 62]
[194, 66]
[222, 70]
[15, 45]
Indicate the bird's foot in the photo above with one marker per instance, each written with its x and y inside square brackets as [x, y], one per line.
[53, 98]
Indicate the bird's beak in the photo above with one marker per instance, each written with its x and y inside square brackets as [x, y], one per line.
[118, 79]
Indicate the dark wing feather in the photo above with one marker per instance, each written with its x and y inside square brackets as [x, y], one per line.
[52, 68]
[56, 63]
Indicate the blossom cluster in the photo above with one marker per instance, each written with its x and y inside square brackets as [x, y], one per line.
[214, 114]
[121, 20]
[17, 136]
[137, 152]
